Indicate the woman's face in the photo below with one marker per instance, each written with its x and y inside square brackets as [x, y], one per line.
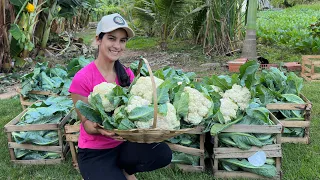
[112, 45]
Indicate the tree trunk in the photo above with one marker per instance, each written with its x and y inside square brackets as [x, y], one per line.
[250, 43]
[5, 60]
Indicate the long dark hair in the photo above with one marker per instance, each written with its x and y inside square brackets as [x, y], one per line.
[120, 69]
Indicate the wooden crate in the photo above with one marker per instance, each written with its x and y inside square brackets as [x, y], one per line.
[25, 102]
[272, 151]
[72, 138]
[309, 63]
[306, 107]
[192, 151]
[72, 134]
[62, 148]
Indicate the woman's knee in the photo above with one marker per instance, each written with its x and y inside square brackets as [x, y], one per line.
[164, 153]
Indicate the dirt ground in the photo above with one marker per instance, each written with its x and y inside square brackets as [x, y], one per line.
[157, 59]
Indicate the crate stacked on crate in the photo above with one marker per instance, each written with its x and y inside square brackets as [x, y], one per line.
[306, 108]
[271, 151]
[60, 149]
[310, 69]
[72, 134]
[200, 152]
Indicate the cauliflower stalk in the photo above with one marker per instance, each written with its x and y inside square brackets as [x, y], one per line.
[143, 87]
[199, 106]
[103, 89]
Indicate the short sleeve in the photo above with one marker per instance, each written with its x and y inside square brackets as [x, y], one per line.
[80, 85]
[130, 74]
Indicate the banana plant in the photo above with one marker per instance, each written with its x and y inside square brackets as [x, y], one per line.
[24, 25]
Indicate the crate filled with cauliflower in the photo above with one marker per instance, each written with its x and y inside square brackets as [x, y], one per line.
[35, 136]
[247, 136]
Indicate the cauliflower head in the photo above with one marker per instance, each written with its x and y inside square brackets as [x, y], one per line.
[136, 101]
[240, 95]
[228, 109]
[143, 87]
[103, 89]
[166, 122]
[199, 106]
[169, 121]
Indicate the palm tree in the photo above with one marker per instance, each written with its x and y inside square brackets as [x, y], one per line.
[164, 14]
[250, 43]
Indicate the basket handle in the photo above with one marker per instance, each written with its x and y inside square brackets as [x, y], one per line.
[154, 90]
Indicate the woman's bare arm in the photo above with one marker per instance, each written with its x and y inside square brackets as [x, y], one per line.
[91, 127]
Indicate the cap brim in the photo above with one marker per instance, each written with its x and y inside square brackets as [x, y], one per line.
[129, 31]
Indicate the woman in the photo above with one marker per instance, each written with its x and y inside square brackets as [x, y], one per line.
[102, 154]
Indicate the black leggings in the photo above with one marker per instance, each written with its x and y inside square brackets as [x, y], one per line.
[131, 157]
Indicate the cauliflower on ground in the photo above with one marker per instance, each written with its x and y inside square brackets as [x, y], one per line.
[228, 109]
[240, 95]
[143, 87]
[199, 106]
[103, 89]
[168, 122]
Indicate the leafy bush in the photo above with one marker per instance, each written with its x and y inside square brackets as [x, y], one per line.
[290, 27]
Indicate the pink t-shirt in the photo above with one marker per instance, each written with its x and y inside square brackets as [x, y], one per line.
[82, 84]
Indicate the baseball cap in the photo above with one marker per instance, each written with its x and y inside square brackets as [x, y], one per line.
[112, 22]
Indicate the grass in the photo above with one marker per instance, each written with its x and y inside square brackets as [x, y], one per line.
[299, 161]
[142, 43]
[87, 35]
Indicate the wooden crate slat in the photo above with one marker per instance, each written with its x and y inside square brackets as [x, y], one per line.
[295, 123]
[311, 56]
[316, 63]
[190, 168]
[241, 174]
[254, 129]
[31, 127]
[271, 153]
[197, 130]
[63, 122]
[47, 93]
[308, 70]
[27, 103]
[286, 106]
[40, 161]
[227, 150]
[315, 76]
[35, 147]
[303, 140]
[72, 128]
[187, 150]
[72, 137]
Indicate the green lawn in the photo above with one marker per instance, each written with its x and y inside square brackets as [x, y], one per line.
[299, 161]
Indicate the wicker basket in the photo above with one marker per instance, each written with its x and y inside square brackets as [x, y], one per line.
[154, 134]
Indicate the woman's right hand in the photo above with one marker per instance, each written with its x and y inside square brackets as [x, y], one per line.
[107, 133]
